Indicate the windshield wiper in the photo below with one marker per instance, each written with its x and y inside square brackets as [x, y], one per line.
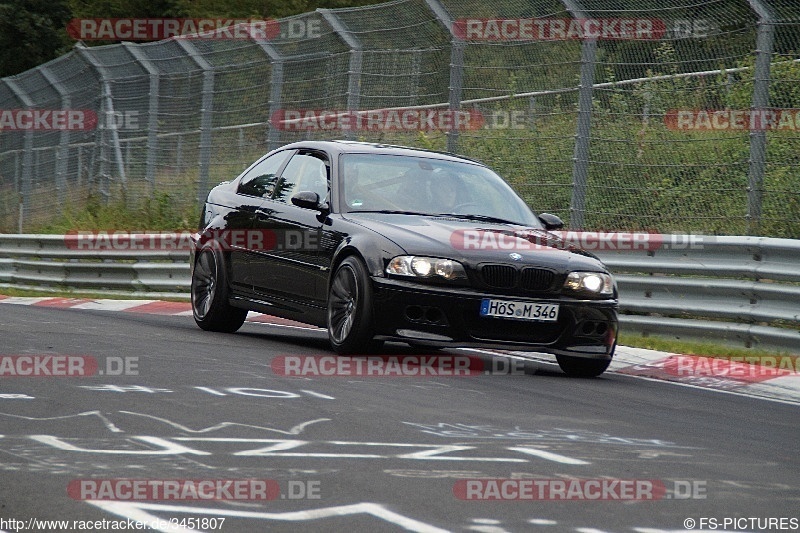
[485, 218]
[391, 212]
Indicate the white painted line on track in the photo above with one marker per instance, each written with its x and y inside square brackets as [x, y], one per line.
[550, 456]
[110, 305]
[138, 511]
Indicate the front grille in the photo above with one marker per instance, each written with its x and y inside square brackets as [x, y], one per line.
[508, 277]
[536, 279]
[500, 276]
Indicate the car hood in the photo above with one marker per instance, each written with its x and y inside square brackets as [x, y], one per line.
[473, 241]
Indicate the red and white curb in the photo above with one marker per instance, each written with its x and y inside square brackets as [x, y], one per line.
[719, 374]
[778, 382]
[150, 307]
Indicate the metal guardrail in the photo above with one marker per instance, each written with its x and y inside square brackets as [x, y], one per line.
[47, 262]
[737, 290]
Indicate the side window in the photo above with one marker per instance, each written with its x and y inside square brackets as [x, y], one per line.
[305, 172]
[260, 180]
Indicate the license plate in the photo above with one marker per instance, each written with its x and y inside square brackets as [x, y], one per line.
[519, 310]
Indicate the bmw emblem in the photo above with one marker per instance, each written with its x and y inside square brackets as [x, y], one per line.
[515, 256]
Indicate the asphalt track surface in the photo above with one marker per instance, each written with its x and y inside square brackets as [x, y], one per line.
[374, 453]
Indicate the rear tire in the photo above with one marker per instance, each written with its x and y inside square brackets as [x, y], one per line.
[350, 309]
[210, 306]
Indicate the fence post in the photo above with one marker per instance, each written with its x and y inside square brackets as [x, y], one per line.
[179, 154]
[62, 153]
[78, 177]
[758, 136]
[27, 156]
[275, 90]
[108, 106]
[356, 59]
[580, 158]
[416, 72]
[206, 109]
[17, 188]
[152, 113]
[456, 88]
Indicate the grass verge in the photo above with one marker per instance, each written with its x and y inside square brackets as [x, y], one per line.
[692, 348]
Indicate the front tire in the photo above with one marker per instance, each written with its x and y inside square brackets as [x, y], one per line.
[210, 306]
[350, 309]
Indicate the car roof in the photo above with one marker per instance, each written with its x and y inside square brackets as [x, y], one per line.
[340, 146]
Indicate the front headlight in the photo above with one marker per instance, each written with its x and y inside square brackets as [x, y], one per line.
[426, 267]
[595, 283]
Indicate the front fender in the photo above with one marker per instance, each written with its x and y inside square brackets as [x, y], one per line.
[375, 250]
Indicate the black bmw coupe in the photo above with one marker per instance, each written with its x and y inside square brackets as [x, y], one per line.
[387, 243]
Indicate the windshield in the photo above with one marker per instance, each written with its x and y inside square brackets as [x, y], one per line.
[419, 185]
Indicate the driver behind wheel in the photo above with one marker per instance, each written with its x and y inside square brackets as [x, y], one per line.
[446, 191]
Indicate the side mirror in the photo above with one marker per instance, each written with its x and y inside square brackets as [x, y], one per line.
[551, 222]
[309, 200]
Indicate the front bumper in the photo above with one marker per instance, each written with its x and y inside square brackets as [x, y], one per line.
[449, 317]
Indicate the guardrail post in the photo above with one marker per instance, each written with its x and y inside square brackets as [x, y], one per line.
[62, 153]
[356, 59]
[758, 136]
[108, 109]
[152, 112]
[456, 88]
[27, 156]
[275, 90]
[206, 109]
[580, 158]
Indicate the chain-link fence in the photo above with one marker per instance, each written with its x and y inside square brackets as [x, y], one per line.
[663, 115]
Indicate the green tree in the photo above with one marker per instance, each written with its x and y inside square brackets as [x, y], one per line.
[127, 8]
[31, 32]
